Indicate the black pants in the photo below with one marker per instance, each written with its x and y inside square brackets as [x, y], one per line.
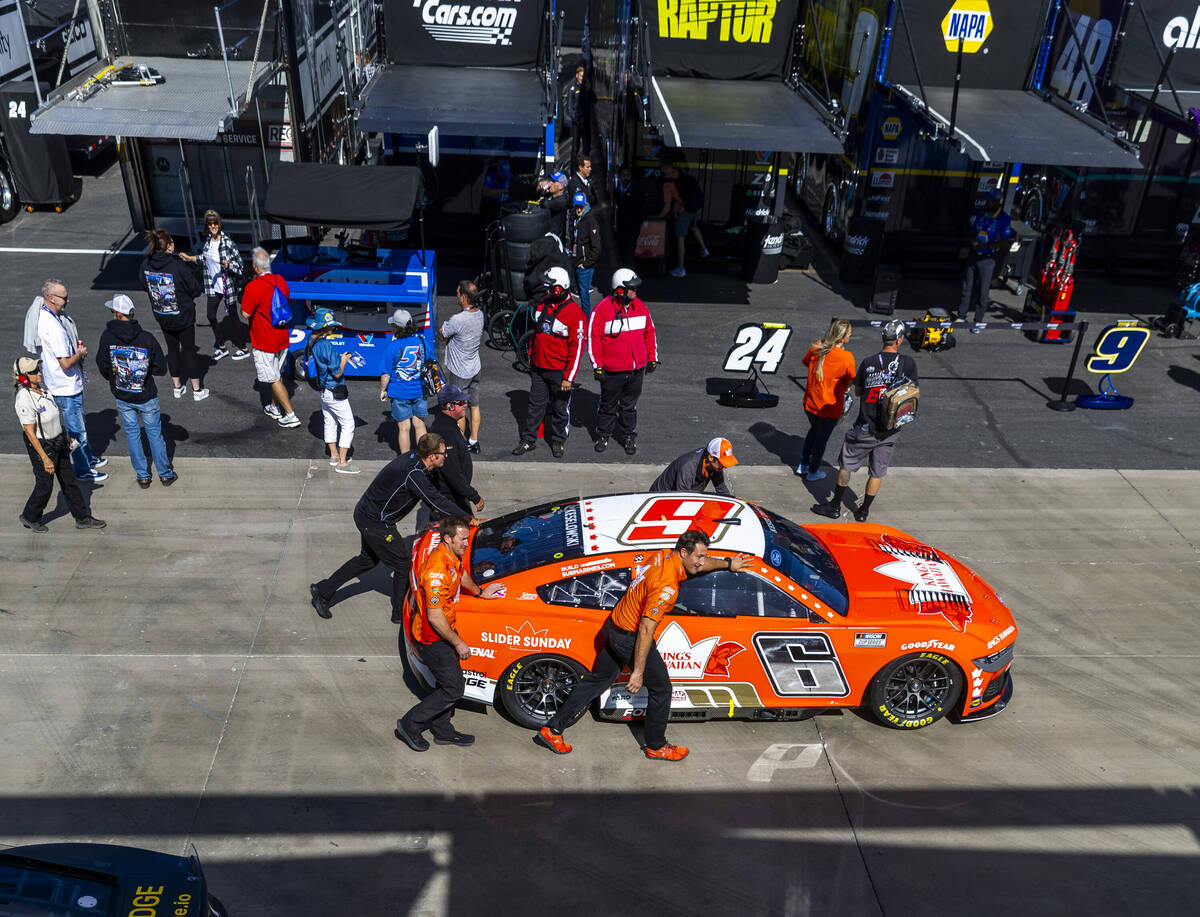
[977, 270]
[616, 654]
[181, 352]
[43, 481]
[381, 544]
[228, 330]
[819, 431]
[547, 400]
[435, 711]
[619, 393]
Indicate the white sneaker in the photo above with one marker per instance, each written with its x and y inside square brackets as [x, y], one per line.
[348, 468]
[333, 463]
[219, 354]
[289, 420]
[239, 354]
[178, 392]
[272, 411]
[199, 395]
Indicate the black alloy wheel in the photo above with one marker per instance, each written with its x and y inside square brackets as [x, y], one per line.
[534, 688]
[915, 690]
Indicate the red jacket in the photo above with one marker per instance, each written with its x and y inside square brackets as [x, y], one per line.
[620, 337]
[558, 343]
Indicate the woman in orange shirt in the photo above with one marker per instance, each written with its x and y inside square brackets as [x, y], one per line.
[830, 372]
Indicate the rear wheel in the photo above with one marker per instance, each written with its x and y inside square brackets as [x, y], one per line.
[829, 216]
[497, 330]
[521, 358]
[914, 690]
[533, 689]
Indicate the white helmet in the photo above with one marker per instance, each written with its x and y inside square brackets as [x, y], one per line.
[624, 284]
[557, 280]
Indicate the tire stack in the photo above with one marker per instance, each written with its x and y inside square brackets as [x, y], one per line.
[520, 229]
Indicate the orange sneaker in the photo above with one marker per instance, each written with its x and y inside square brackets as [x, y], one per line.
[668, 752]
[554, 741]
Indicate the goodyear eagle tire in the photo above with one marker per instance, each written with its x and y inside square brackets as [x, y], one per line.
[527, 226]
[9, 202]
[532, 689]
[915, 690]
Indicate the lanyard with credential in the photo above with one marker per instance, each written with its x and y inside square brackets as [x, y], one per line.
[54, 315]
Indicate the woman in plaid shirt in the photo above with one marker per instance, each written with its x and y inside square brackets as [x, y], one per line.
[222, 279]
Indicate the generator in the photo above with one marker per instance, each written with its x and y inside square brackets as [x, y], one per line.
[933, 337]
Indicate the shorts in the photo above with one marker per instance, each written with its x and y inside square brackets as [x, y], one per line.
[470, 386]
[684, 222]
[864, 447]
[403, 409]
[269, 366]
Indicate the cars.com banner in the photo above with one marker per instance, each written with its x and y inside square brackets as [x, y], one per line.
[479, 33]
[720, 39]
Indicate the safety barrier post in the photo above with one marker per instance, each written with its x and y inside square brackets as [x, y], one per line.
[1062, 404]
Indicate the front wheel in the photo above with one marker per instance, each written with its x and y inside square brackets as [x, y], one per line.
[299, 366]
[497, 330]
[914, 690]
[533, 689]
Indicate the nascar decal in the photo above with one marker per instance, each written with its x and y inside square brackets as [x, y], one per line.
[480, 24]
[526, 637]
[801, 664]
[741, 21]
[685, 659]
[969, 21]
[661, 520]
[935, 587]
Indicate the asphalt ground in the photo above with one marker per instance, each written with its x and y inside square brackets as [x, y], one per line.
[165, 682]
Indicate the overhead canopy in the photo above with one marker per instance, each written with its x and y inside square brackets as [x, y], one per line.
[357, 197]
[1006, 125]
[1142, 53]
[737, 115]
[191, 104]
[461, 101]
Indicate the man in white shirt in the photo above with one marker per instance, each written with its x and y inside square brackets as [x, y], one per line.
[62, 365]
[463, 334]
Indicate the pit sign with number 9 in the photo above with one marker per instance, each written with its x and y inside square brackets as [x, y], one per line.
[1118, 347]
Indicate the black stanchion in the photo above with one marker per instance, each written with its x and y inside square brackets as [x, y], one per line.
[1062, 404]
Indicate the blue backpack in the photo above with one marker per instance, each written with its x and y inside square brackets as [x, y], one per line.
[281, 309]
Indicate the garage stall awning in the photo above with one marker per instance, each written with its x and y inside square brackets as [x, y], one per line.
[190, 104]
[356, 197]
[737, 115]
[461, 101]
[1012, 125]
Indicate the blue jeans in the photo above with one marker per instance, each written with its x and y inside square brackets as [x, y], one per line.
[583, 276]
[151, 420]
[72, 415]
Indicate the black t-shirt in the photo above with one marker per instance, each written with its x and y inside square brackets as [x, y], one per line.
[689, 192]
[875, 374]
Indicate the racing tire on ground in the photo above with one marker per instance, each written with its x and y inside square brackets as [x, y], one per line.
[9, 202]
[215, 907]
[915, 690]
[521, 361]
[525, 227]
[299, 366]
[517, 279]
[518, 255]
[829, 218]
[532, 689]
[497, 330]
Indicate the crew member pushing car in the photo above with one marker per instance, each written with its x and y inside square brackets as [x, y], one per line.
[439, 646]
[628, 640]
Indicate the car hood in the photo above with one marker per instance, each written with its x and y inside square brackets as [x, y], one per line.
[893, 578]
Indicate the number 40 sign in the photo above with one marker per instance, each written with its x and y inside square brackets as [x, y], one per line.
[761, 343]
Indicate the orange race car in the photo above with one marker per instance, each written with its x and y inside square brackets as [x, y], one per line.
[822, 616]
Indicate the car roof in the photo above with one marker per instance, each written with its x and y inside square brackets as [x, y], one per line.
[628, 522]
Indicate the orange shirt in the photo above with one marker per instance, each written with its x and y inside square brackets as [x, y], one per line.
[653, 592]
[824, 397]
[437, 587]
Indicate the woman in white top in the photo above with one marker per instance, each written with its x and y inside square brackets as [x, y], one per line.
[48, 447]
[223, 269]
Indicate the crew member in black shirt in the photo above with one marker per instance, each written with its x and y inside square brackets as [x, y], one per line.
[453, 479]
[401, 485]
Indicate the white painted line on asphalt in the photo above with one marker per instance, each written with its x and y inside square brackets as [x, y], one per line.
[782, 757]
[70, 251]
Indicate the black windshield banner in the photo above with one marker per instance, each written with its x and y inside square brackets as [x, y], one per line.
[476, 33]
[1000, 40]
[1173, 24]
[720, 39]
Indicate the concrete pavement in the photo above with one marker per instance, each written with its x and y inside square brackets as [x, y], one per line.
[165, 682]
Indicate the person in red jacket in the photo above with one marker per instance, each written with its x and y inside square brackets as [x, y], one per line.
[623, 349]
[553, 364]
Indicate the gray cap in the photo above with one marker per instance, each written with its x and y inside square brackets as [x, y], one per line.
[893, 330]
[400, 318]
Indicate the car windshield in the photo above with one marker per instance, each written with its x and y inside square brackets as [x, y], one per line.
[32, 889]
[798, 555]
[530, 538]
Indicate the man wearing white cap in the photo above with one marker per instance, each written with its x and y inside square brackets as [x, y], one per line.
[129, 358]
[402, 381]
[693, 471]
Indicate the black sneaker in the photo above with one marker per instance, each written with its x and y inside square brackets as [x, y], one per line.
[169, 479]
[473, 448]
[556, 449]
[631, 444]
[143, 483]
[601, 444]
[522, 447]
[38, 527]
[397, 617]
[455, 738]
[860, 514]
[319, 602]
[828, 510]
[413, 740]
[91, 522]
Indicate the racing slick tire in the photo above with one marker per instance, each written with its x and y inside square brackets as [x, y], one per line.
[521, 357]
[9, 202]
[526, 226]
[299, 366]
[497, 330]
[915, 690]
[829, 216]
[532, 689]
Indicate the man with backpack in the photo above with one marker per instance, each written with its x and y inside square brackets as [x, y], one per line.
[265, 306]
[873, 437]
[682, 199]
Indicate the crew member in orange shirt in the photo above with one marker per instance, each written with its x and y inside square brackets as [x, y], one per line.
[439, 646]
[629, 641]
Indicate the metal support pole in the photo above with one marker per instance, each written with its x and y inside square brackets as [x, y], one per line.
[957, 84]
[1062, 404]
[1158, 84]
[97, 28]
[37, 90]
[225, 57]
